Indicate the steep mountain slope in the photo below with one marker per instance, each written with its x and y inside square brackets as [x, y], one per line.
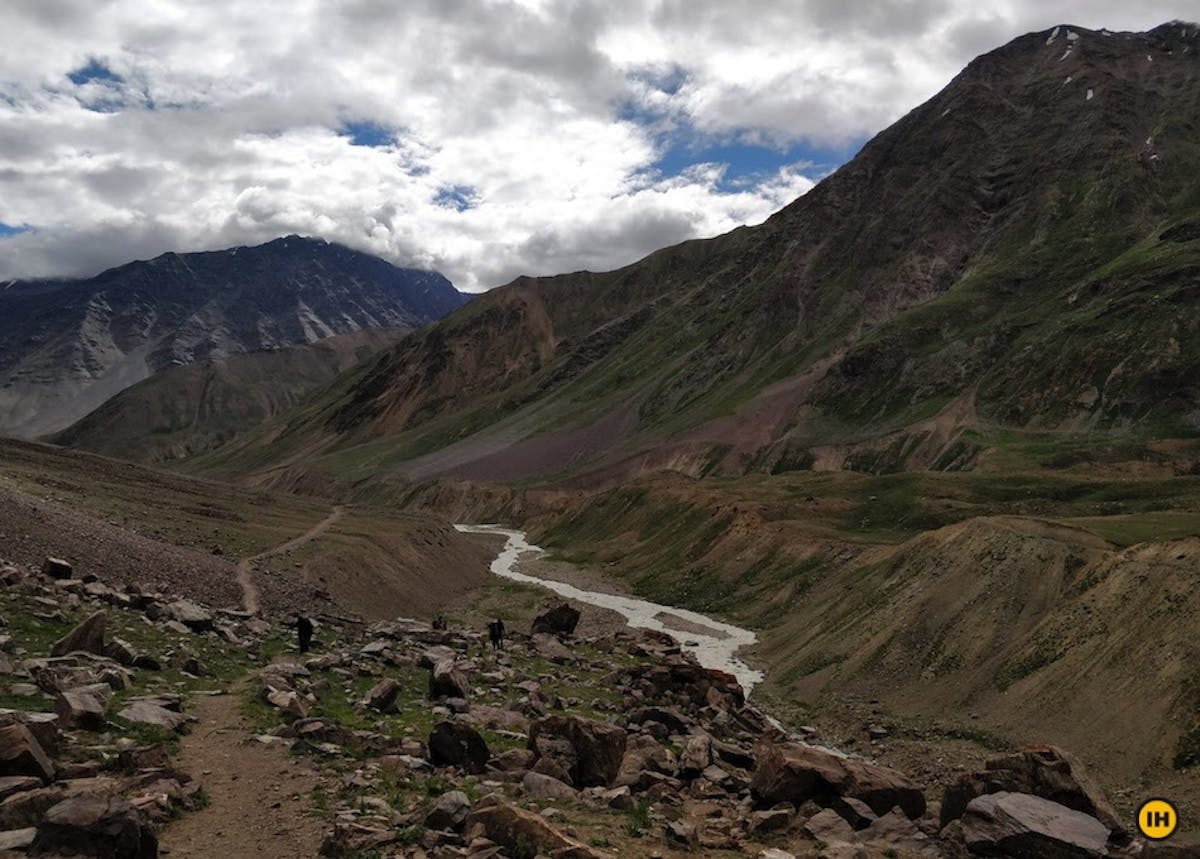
[1020, 251]
[67, 346]
[193, 408]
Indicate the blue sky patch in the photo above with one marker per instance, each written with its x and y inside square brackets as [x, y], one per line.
[94, 71]
[367, 134]
[747, 163]
[457, 197]
[7, 230]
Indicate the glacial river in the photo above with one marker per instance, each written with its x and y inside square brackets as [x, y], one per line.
[713, 643]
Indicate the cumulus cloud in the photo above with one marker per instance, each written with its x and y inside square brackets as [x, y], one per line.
[503, 137]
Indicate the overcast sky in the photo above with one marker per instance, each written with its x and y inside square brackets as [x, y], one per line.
[481, 139]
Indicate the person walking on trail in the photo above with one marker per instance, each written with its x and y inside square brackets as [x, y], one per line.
[304, 631]
[496, 633]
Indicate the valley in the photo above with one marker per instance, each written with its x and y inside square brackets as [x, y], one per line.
[870, 530]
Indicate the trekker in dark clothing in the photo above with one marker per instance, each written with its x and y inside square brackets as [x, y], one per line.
[496, 633]
[304, 629]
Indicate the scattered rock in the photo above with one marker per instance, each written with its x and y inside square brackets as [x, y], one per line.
[194, 617]
[56, 568]
[458, 745]
[96, 826]
[450, 811]
[21, 754]
[559, 620]
[796, 774]
[590, 752]
[446, 680]
[517, 829]
[382, 696]
[1019, 824]
[147, 713]
[538, 786]
[87, 637]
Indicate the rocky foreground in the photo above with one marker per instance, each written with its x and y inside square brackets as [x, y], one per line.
[430, 744]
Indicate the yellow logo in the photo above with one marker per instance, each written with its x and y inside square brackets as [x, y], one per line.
[1157, 819]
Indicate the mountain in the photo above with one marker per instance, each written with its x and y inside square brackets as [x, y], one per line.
[185, 410]
[66, 346]
[1018, 252]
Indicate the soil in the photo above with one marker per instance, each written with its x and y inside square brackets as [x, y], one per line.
[259, 797]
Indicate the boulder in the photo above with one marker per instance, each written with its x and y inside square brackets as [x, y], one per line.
[289, 702]
[643, 754]
[83, 707]
[87, 637]
[446, 680]
[538, 786]
[519, 830]
[695, 756]
[794, 773]
[1045, 771]
[148, 713]
[458, 745]
[559, 620]
[194, 617]
[56, 568]
[11, 784]
[28, 807]
[382, 696]
[22, 755]
[827, 825]
[121, 651]
[45, 727]
[449, 811]
[549, 647]
[1021, 824]
[95, 826]
[17, 839]
[590, 752]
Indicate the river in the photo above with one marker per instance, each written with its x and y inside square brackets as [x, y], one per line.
[716, 648]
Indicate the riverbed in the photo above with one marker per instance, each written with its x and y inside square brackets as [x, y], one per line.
[714, 644]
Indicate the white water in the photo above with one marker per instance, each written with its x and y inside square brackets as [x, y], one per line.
[717, 650]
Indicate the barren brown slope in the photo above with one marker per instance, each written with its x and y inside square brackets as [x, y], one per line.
[186, 410]
[1010, 238]
[184, 536]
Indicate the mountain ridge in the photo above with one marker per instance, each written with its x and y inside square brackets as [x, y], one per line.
[1013, 206]
[68, 345]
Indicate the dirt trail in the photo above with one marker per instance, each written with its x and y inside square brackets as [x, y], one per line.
[245, 567]
[260, 798]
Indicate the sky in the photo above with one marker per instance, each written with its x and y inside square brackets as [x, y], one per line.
[485, 139]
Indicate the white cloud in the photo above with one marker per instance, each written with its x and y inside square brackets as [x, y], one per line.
[520, 108]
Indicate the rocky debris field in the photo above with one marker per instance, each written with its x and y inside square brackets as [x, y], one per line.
[406, 740]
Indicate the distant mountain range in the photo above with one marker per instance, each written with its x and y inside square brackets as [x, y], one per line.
[67, 346]
[1020, 252]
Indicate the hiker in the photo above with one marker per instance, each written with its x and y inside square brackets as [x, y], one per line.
[496, 633]
[439, 622]
[304, 629]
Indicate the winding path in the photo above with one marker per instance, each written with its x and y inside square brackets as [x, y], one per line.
[245, 567]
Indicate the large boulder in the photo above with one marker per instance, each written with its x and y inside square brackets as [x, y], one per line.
[794, 773]
[643, 754]
[87, 637]
[94, 826]
[559, 620]
[1045, 771]
[519, 830]
[22, 754]
[1020, 824]
[455, 744]
[589, 752]
[447, 680]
